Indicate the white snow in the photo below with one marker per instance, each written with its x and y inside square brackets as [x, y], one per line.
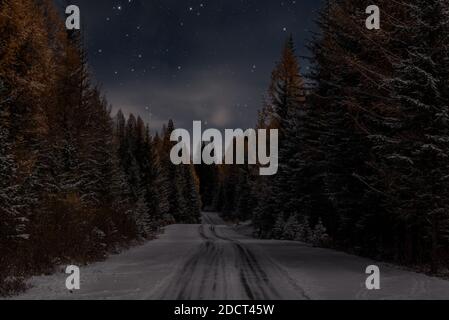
[212, 261]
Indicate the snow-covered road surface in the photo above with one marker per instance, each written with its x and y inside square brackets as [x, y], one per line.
[211, 261]
[224, 267]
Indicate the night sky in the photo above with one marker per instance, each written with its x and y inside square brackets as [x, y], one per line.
[191, 60]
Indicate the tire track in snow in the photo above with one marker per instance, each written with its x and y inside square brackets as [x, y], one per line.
[192, 280]
[276, 272]
[225, 268]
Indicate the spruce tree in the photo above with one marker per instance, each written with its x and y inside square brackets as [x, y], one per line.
[208, 175]
[342, 105]
[191, 195]
[383, 96]
[414, 152]
[11, 218]
[287, 99]
[174, 190]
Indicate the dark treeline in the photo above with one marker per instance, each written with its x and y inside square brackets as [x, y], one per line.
[75, 183]
[364, 154]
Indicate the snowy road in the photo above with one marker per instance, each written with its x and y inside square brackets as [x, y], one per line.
[224, 267]
[212, 261]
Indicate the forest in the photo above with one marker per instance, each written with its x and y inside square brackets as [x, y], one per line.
[76, 183]
[363, 151]
[363, 147]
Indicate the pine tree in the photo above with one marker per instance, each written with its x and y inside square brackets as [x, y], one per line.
[153, 180]
[245, 199]
[208, 175]
[162, 183]
[292, 228]
[219, 194]
[191, 195]
[384, 127]
[287, 99]
[11, 218]
[413, 155]
[266, 212]
[174, 190]
[229, 191]
[343, 105]
[278, 228]
[72, 186]
[304, 231]
[286, 91]
[129, 161]
[318, 236]
[142, 217]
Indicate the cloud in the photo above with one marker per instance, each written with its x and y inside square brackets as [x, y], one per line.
[226, 55]
[216, 100]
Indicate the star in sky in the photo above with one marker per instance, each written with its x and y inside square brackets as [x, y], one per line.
[191, 60]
